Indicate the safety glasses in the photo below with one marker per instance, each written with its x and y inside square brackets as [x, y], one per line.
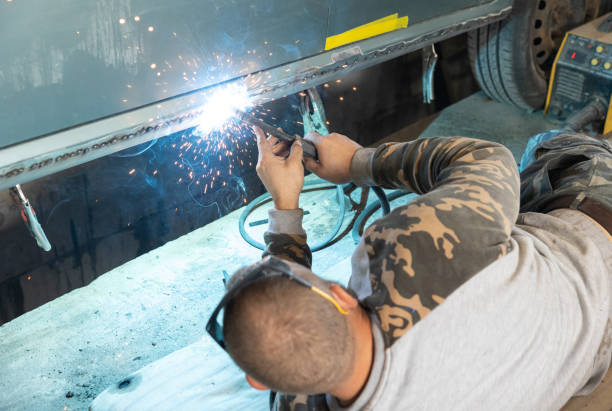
[269, 267]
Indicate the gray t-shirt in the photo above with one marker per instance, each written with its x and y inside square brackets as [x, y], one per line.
[552, 291]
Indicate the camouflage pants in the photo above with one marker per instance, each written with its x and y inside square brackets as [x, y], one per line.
[567, 166]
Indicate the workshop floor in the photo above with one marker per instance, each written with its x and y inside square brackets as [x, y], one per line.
[65, 353]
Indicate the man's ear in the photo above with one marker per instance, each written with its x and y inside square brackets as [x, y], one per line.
[255, 384]
[346, 300]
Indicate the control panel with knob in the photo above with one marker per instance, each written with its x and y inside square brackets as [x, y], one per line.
[582, 70]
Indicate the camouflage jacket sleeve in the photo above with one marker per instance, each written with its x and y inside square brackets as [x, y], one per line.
[286, 238]
[420, 253]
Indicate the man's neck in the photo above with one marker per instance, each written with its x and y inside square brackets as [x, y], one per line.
[363, 359]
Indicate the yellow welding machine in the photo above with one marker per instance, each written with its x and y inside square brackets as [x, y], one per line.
[582, 70]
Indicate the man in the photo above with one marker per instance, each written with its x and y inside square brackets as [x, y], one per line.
[455, 300]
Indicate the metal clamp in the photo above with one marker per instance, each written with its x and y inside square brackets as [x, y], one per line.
[314, 120]
[430, 58]
[29, 217]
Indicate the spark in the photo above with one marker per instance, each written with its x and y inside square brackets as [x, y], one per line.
[221, 106]
[211, 157]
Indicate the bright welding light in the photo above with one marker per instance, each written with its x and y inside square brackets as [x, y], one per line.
[220, 106]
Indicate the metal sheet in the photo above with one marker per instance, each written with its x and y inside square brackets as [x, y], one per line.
[80, 98]
[68, 62]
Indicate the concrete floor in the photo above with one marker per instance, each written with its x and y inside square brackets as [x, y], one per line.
[66, 352]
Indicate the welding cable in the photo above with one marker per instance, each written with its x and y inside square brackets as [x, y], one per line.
[264, 198]
[383, 203]
[359, 207]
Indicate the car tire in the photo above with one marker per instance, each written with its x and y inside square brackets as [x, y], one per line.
[511, 59]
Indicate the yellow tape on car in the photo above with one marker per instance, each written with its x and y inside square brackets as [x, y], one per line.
[374, 28]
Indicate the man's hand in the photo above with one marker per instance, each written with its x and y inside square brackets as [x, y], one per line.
[335, 154]
[282, 177]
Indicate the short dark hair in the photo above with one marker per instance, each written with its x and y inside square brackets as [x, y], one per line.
[289, 338]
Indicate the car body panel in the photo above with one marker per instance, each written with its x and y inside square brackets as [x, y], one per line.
[75, 74]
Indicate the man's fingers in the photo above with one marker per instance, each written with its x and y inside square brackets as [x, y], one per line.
[258, 132]
[311, 164]
[262, 143]
[297, 152]
[314, 137]
[281, 149]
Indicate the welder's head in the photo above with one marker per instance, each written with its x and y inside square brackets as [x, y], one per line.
[287, 328]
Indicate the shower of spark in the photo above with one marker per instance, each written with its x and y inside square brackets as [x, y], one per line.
[211, 164]
[212, 158]
[220, 106]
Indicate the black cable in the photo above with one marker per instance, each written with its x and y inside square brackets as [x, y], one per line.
[594, 111]
[382, 198]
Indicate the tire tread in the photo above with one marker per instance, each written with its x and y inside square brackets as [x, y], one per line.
[490, 50]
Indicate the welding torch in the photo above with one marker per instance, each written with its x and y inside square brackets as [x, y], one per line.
[309, 148]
